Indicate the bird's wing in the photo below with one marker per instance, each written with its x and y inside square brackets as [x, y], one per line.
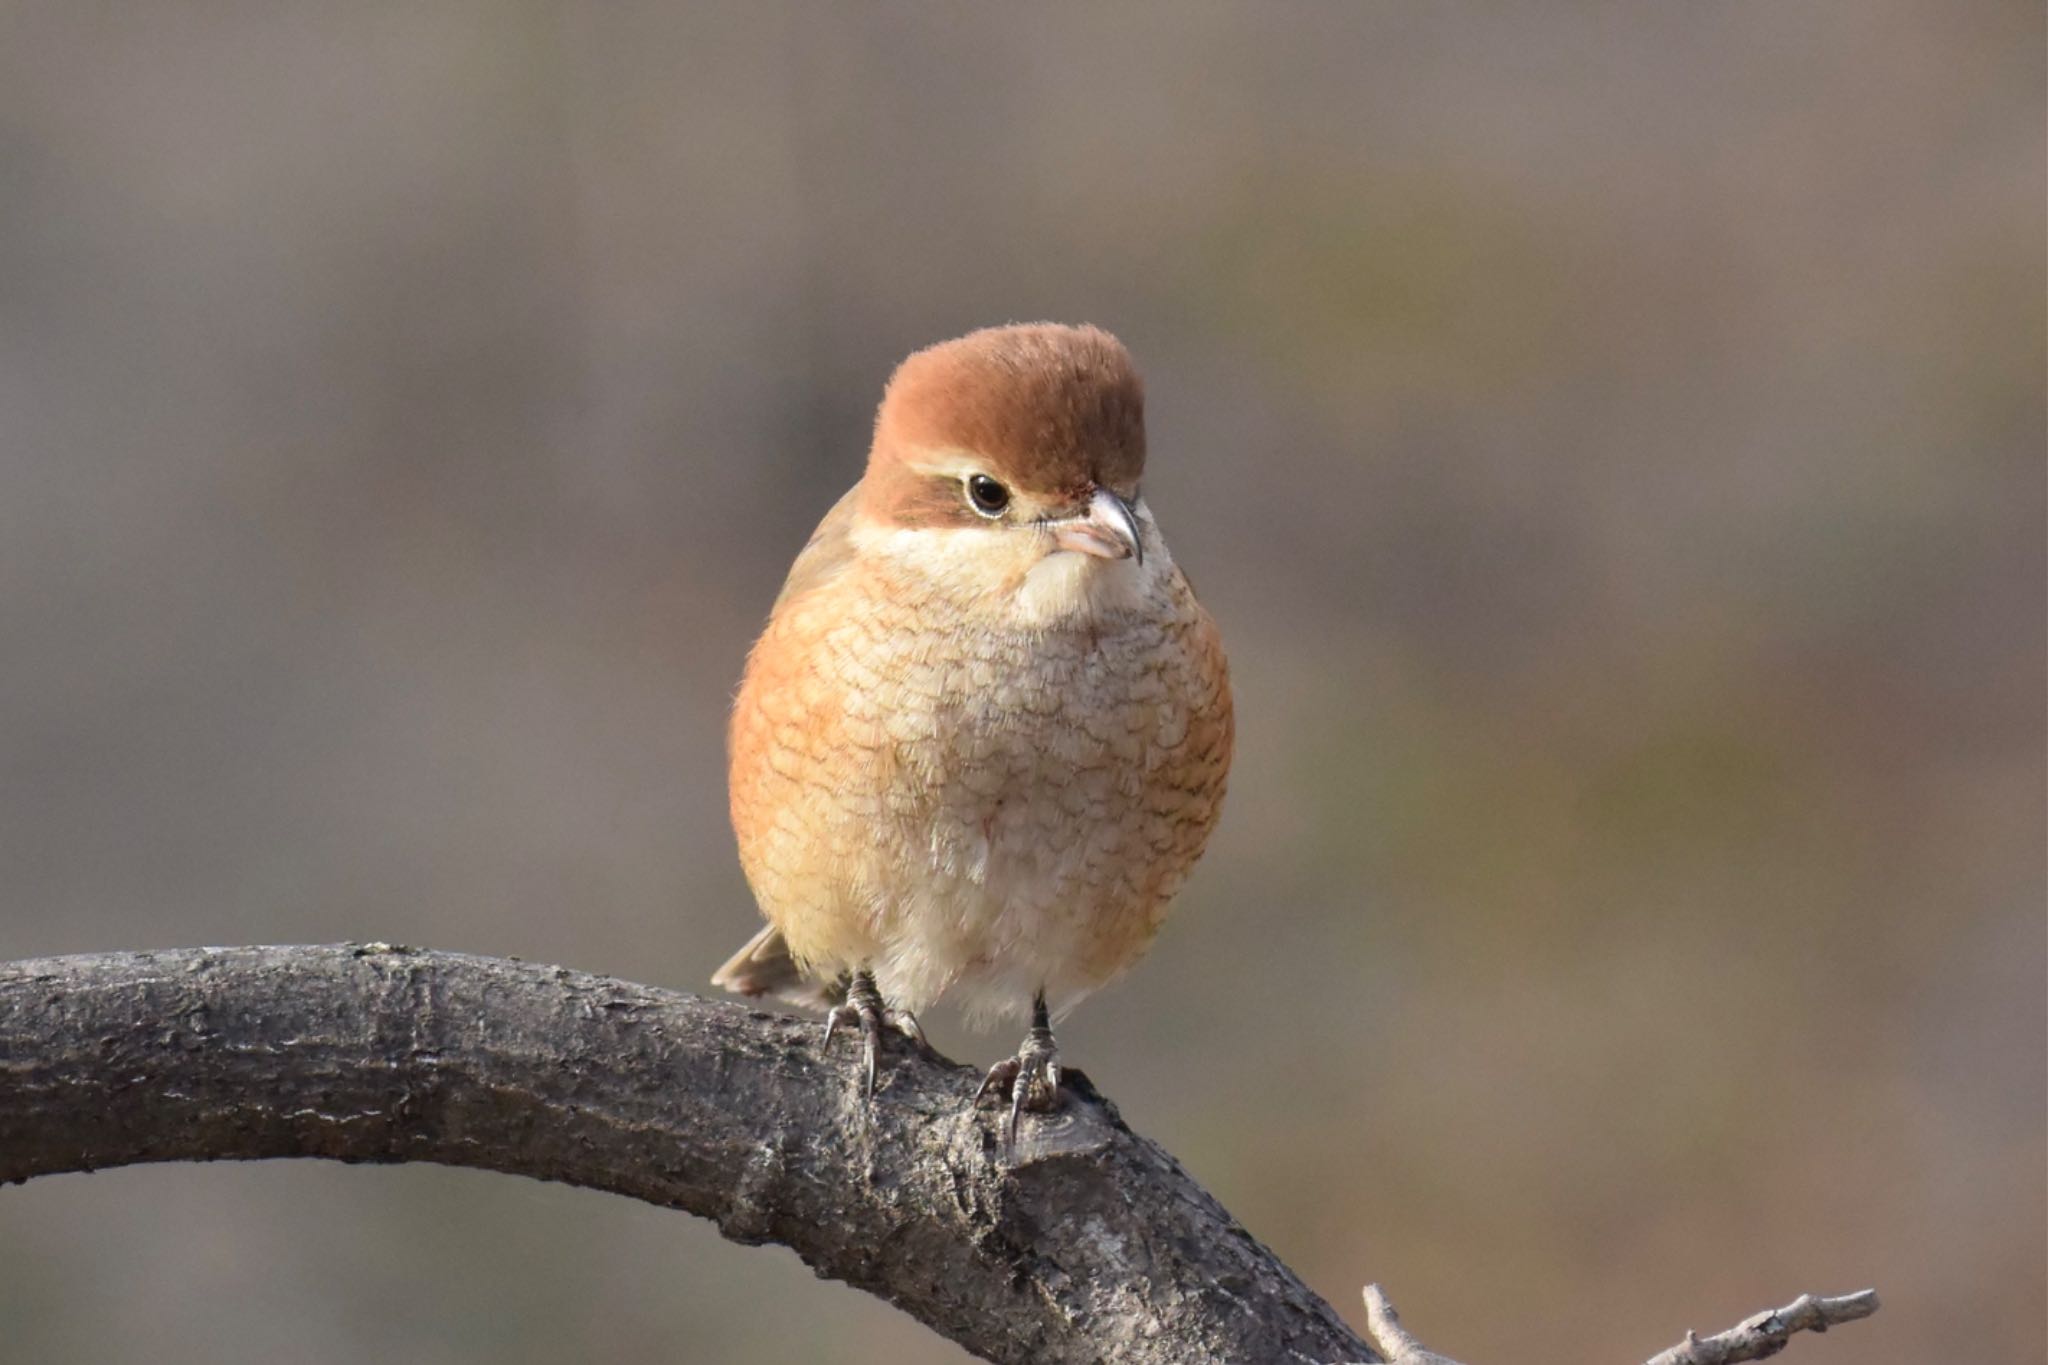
[826, 554]
[765, 966]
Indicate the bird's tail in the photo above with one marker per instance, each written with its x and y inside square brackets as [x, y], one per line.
[765, 967]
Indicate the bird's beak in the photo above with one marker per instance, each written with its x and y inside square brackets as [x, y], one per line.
[1107, 530]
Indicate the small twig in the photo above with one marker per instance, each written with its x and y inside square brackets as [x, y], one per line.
[1766, 1333]
[1383, 1328]
[1760, 1336]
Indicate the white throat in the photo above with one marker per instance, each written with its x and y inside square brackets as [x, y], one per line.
[1064, 588]
[1071, 588]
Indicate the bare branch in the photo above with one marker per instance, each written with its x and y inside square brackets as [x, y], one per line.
[1087, 1243]
[1395, 1342]
[1090, 1243]
[1766, 1333]
[1760, 1336]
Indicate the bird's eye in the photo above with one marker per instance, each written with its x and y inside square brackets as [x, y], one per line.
[986, 495]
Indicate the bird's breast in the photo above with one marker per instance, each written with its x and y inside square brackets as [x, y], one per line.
[1051, 754]
[980, 794]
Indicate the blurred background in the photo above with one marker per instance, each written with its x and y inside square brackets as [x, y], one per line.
[1610, 438]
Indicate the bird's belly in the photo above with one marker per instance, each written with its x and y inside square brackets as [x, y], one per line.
[1049, 839]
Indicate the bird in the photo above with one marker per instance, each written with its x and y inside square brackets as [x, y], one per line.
[986, 731]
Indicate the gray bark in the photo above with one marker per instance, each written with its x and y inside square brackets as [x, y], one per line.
[1088, 1243]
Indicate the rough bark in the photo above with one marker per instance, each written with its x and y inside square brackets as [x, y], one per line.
[1087, 1243]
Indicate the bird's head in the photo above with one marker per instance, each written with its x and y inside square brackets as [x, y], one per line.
[1006, 463]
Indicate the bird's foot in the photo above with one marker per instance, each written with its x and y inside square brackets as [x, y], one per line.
[1029, 1080]
[863, 1007]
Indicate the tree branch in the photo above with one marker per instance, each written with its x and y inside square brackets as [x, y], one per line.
[1088, 1243]
[1766, 1333]
[1394, 1341]
[1752, 1339]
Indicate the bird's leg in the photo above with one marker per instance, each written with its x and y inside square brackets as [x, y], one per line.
[863, 1005]
[1031, 1079]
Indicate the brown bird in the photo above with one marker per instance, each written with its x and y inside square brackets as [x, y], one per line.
[985, 734]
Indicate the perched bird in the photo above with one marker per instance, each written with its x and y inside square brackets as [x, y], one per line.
[985, 733]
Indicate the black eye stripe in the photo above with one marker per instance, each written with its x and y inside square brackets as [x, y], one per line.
[987, 496]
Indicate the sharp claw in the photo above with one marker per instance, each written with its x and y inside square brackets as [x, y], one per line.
[998, 1080]
[906, 1024]
[1017, 1093]
[864, 1004]
[1031, 1079]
